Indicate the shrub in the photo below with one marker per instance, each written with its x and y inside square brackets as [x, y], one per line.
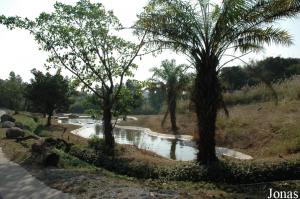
[58, 144]
[96, 143]
[230, 172]
[85, 154]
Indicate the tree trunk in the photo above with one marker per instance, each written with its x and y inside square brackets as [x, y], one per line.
[107, 126]
[49, 119]
[206, 97]
[164, 118]
[172, 110]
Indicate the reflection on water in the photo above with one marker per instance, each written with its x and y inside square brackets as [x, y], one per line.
[170, 148]
[173, 149]
[176, 149]
[98, 129]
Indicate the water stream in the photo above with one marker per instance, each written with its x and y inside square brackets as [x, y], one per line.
[177, 148]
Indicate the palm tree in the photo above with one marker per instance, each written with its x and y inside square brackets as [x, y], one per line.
[207, 32]
[172, 78]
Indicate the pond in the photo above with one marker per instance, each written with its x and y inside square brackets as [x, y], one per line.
[182, 148]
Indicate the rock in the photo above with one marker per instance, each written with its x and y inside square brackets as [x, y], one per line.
[7, 117]
[19, 125]
[51, 160]
[14, 132]
[8, 124]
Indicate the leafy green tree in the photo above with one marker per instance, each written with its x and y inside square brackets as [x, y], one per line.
[155, 98]
[132, 96]
[236, 77]
[276, 68]
[267, 70]
[173, 79]
[205, 32]
[48, 93]
[84, 40]
[11, 92]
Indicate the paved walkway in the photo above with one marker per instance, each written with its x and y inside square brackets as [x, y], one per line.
[17, 183]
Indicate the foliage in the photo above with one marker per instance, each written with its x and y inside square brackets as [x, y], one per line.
[85, 154]
[96, 143]
[84, 40]
[155, 100]
[272, 69]
[230, 172]
[81, 102]
[48, 93]
[11, 92]
[132, 98]
[236, 77]
[70, 162]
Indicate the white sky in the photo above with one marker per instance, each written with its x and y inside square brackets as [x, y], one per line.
[19, 52]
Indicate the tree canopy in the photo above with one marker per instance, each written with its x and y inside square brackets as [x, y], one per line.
[48, 93]
[84, 39]
[271, 69]
[12, 92]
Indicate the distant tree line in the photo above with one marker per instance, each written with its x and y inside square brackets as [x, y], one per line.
[12, 92]
[271, 69]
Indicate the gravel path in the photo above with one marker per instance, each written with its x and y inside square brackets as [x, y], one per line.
[17, 183]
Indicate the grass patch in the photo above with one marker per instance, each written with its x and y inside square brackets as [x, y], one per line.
[67, 161]
[28, 122]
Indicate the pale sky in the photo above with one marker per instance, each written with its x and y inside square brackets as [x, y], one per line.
[19, 52]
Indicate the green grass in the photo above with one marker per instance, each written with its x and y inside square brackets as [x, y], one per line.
[67, 161]
[27, 121]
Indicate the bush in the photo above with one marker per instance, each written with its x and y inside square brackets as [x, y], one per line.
[69, 161]
[96, 143]
[229, 172]
[58, 144]
[85, 154]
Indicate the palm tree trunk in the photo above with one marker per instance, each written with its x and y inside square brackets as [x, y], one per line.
[206, 98]
[165, 117]
[107, 126]
[172, 110]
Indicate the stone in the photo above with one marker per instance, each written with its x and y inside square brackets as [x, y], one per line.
[7, 117]
[8, 124]
[14, 132]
